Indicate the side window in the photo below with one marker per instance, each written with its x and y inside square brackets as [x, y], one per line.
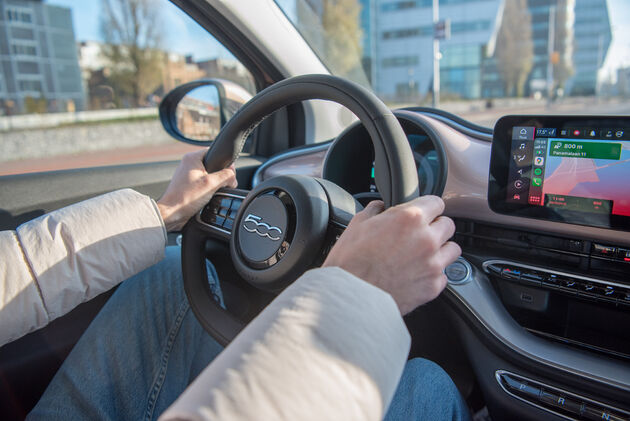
[80, 81]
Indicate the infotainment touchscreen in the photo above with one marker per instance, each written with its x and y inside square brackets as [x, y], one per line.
[570, 169]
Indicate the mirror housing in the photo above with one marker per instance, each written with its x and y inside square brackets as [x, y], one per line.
[195, 111]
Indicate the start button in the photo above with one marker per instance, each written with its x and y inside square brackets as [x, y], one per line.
[458, 272]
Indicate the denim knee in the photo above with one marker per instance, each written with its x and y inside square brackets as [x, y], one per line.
[431, 374]
[425, 392]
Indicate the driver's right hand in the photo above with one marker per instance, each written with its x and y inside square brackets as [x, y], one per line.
[402, 250]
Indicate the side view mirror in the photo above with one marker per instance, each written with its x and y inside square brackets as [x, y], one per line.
[195, 112]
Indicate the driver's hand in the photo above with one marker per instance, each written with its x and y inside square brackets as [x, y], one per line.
[190, 189]
[402, 250]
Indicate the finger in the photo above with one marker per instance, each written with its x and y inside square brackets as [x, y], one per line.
[372, 209]
[444, 227]
[199, 154]
[430, 206]
[448, 253]
[224, 178]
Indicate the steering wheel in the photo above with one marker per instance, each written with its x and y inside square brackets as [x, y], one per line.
[287, 224]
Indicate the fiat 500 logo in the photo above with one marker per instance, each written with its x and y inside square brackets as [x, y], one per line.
[260, 228]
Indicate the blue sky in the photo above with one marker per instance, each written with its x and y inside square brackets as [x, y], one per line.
[185, 36]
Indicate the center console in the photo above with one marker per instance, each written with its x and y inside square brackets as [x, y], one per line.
[554, 310]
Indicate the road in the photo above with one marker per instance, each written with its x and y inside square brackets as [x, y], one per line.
[123, 143]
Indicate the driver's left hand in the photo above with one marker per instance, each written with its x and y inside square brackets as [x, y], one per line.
[190, 189]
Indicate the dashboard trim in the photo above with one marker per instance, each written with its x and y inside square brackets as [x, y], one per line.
[464, 126]
[294, 153]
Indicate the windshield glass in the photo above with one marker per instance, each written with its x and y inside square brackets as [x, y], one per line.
[491, 57]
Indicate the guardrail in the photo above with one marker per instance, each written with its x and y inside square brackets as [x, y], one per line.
[43, 121]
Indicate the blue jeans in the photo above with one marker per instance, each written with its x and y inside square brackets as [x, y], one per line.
[145, 347]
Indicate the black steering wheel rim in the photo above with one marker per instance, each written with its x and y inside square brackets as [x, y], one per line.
[396, 175]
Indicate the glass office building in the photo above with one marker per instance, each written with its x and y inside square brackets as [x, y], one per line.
[592, 35]
[39, 67]
[403, 44]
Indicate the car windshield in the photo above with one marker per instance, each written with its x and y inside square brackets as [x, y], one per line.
[491, 57]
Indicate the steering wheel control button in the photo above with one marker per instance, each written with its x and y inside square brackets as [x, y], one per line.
[262, 228]
[218, 212]
[459, 272]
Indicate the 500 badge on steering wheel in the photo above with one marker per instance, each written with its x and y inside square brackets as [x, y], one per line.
[256, 220]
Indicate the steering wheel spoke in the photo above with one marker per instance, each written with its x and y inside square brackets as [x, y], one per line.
[218, 216]
[334, 231]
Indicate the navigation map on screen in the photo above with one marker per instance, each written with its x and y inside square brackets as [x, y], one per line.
[586, 170]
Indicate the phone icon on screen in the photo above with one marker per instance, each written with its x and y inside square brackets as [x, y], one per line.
[537, 182]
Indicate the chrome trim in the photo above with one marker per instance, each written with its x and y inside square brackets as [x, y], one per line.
[198, 216]
[555, 272]
[257, 178]
[497, 376]
[254, 220]
[469, 272]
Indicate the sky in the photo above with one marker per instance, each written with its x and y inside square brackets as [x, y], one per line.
[619, 51]
[185, 36]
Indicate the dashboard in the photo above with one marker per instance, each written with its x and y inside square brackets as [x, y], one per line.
[544, 311]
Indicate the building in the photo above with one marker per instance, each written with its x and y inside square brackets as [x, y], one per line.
[592, 39]
[39, 68]
[623, 82]
[179, 69]
[552, 20]
[403, 45]
[230, 69]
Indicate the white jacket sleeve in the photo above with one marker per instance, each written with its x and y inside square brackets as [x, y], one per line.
[50, 265]
[330, 347]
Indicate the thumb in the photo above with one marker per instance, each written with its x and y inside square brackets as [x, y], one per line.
[372, 209]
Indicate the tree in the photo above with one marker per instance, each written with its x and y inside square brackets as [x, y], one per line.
[342, 26]
[514, 48]
[130, 29]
